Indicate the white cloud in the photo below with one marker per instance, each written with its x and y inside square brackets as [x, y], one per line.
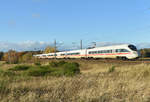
[23, 46]
[143, 45]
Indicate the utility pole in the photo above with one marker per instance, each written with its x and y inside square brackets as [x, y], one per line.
[81, 44]
[55, 48]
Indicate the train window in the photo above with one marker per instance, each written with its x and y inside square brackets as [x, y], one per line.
[121, 50]
[95, 52]
[73, 53]
[105, 51]
[109, 51]
[132, 47]
[102, 51]
[118, 50]
[91, 52]
[124, 50]
[77, 53]
[99, 51]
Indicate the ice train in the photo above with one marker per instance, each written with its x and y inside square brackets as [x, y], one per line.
[124, 51]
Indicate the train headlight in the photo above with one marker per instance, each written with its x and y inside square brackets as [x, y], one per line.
[134, 52]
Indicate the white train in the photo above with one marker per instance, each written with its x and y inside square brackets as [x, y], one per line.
[124, 51]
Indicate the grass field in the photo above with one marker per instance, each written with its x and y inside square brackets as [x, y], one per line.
[98, 82]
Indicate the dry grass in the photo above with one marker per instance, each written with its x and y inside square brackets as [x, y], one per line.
[127, 83]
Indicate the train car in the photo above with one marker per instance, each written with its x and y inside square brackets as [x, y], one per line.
[41, 56]
[125, 51]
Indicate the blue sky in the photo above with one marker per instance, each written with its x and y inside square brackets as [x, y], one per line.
[116, 21]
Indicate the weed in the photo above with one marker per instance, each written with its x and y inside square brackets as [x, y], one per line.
[4, 87]
[6, 73]
[112, 69]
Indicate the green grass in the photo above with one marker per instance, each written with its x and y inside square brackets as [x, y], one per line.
[20, 68]
[112, 69]
[53, 69]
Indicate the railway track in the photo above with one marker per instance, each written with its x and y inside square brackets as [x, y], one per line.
[135, 61]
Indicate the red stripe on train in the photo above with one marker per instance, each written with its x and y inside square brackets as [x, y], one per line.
[99, 54]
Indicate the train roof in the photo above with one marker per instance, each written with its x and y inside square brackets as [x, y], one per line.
[102, 47]
[121, 45]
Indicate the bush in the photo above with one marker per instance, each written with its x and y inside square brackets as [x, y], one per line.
[39, 71]
[61, 68]
[20, 68]
[53, 64]
[61, 63]
[112, 69]
[57, 64]
[71, 69]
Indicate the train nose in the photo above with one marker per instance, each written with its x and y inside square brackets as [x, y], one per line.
[136, 54]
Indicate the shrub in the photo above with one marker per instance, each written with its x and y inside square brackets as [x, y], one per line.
[53, 64]
[71, 69]
[61, 63]
[112, 69]
[38, 71]
[57, 64]
[54, 69]
[20, 68]
[63, 68]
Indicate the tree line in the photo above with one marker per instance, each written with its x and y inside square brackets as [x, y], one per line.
[145, 52]
[15, 57]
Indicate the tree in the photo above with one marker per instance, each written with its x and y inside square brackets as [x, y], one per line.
[26, 57]
[11, 57]
[49, 49]
[145, 52]
[1, 55]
